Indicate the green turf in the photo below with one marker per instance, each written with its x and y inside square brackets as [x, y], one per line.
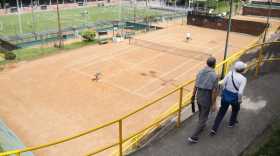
[38, 52]
[47, 20]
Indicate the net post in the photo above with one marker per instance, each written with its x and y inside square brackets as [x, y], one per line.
[129, 41]
[180, 107]
[120, 138]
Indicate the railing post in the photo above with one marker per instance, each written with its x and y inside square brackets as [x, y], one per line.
[180, 107]
[120, 138]
[259, 61]
[224, 70]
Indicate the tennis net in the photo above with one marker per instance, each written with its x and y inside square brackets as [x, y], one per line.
[168, 49]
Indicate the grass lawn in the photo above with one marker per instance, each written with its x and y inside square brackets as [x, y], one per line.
[33, 53]
[47, 20]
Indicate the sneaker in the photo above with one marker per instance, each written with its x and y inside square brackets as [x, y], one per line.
[212, 133]
[231, 125]
[192, 140]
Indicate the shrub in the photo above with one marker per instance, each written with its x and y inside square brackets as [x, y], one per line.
[2, 57]
[88, 35]
[118, 35]
[10, 56]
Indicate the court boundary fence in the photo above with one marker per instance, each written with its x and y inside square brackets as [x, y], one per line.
[124, 144]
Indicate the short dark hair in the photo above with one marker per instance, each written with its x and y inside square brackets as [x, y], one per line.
[240, 70]
[211, 62]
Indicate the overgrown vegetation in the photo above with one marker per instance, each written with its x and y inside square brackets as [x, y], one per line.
[271, 146]
[10, 56]
[219, 6]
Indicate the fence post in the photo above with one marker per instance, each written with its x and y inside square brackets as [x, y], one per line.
[259, 61]
[180, 107]
[120, 138]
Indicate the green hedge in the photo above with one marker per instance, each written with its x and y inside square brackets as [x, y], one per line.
[34, 53]
[88, 35]
[10, 56]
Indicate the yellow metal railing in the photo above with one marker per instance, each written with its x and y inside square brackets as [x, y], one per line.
[126, 143]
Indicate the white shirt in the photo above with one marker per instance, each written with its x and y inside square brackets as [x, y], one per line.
[239, 80]
[188, 35]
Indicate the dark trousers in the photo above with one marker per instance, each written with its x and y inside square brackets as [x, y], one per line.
[203, 117]
[222, 111]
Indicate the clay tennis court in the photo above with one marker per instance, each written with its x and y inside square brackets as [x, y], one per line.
[56, 96]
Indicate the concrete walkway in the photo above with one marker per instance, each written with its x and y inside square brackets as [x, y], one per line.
[260, 107]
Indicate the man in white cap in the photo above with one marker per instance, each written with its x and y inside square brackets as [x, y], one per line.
[233, 87]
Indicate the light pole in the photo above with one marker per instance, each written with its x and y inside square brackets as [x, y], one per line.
[267, 20]
[33, 20]
[227, 37]
[120, 10]
[261, 52]
[19, 18]
[134, 11]
[59, 26]
[21, 4]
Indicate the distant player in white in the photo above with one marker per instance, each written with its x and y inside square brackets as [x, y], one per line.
[188, 36]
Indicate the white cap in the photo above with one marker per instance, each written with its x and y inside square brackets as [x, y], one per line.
[239, 65]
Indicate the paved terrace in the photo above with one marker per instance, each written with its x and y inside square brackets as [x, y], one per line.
[259, 109]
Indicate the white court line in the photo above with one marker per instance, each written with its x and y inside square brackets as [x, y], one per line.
[162, 76]
[111, 84]
[180, 75]
[116, 53]
[135, 65]
[157, 90]
[82, 61]
[123, 88]
[192, 68]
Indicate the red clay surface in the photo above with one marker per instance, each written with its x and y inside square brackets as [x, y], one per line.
[53, 97]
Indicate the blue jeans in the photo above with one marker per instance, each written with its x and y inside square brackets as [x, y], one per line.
[222, 111]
